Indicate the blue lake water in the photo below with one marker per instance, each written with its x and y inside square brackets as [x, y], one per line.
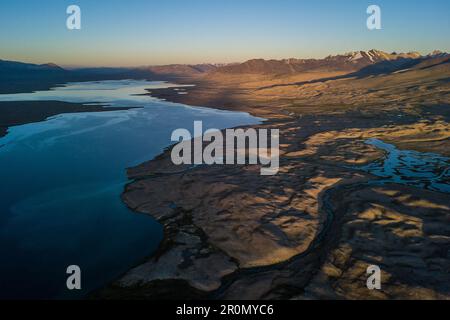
[61, 181]
[418, 169]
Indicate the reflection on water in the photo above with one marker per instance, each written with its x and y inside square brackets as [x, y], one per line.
[61, 184]
[424, 170]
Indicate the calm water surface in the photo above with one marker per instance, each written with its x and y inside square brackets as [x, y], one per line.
[61, 184]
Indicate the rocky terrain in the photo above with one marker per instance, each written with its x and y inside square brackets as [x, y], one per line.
[309, 232]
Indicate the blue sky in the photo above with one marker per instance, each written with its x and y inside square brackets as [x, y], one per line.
[145, 32]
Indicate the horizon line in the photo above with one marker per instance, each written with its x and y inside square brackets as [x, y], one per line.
[81, 66]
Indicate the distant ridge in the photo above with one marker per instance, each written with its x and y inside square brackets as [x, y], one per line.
[51, 66]
[181, 69]
[351, 62]
[25, 77]
[17, 66]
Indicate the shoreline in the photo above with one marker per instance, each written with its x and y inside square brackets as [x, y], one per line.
[15, 113]
[187, 235]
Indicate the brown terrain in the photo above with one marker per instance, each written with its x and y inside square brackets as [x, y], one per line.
[311, 231]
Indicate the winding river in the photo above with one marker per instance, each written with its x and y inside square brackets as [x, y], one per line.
[418, 169]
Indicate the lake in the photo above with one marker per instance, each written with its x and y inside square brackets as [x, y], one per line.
[62, 180]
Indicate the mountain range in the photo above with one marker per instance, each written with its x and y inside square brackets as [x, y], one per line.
[352, 61]
[22, 77]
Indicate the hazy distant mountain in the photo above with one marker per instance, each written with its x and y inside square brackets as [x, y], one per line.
[11, 68]
[19, 77]
[164, 72]
[180, 70]
[25, 77]
[351, 62]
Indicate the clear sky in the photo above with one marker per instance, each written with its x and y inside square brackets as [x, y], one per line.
[147, 32]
